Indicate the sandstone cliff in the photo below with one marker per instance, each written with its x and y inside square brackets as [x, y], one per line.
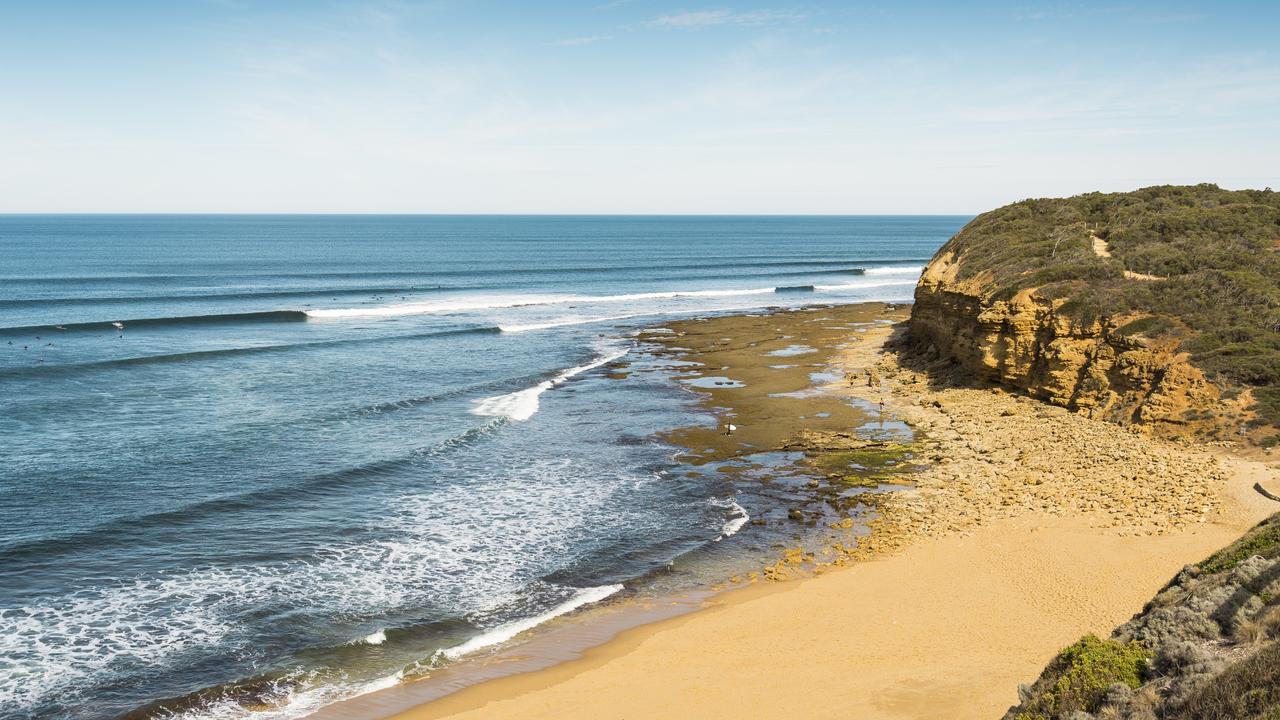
[1032, 298]
[1027, 343]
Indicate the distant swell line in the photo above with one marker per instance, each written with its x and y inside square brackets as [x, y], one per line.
[517, 301]
[777, 269]
[708, 263]
[212, 297]
[51, 369]
[179, 320]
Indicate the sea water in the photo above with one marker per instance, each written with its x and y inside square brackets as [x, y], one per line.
[277, 461]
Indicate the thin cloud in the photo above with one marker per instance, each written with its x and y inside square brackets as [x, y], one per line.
[712, 18]
[588, 40]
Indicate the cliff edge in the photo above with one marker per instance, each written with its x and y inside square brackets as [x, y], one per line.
[1159, 307]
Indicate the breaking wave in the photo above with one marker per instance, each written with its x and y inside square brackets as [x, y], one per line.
[895, 270]
[503, 302]
[505, 632]
[737, 518]
[522, 404]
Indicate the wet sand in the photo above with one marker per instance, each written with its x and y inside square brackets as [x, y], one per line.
[970, 582]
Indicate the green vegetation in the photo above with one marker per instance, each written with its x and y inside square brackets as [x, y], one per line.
[1151, 326]
[1216, 254]
[1079, 677]
[1263, 540]
[868, 467]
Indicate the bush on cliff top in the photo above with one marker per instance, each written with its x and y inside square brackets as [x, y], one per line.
[1217, 252]
[1079, 677]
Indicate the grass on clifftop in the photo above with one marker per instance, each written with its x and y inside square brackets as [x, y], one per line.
[1263, 540]
[1216, 253]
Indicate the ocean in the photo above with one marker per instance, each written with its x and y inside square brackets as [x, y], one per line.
[278, 461]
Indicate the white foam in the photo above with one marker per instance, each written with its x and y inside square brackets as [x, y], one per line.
[519, 405]
[500, 302]
[563, 323]
[296, 703]
[381, 683]
[513, 301]
[477, 302]
[505, 632]
[735, 521]
[895, 270]
[522, 404]
[451, 548]
[862, 285]
[376, 638]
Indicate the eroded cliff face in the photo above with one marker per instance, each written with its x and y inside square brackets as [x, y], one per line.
[1029, 344]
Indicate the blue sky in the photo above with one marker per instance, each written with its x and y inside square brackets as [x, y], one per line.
[626, 106]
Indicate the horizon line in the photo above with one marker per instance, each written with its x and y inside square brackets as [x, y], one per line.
[467, 214]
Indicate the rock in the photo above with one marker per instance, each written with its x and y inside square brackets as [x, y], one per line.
[825, 441]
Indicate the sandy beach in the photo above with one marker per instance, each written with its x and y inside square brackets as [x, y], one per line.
[1026, 528]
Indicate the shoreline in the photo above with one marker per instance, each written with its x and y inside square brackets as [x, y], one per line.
[980, 599]
[773, 382]
[863, 640]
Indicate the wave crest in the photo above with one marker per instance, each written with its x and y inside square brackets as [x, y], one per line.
[522, 404]
[505, 632]
[895, 270]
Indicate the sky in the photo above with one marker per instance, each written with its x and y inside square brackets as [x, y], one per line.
[627, 106]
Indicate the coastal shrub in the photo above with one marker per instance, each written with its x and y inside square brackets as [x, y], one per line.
[1262, 540]
[1267, 405]
[1247, 689]
[1091, 270]
[1152, 326]
[1184, 658]
[1249, 632]
[1270, 620]
[1085, 306]
[1057, 291]
[1166, 626]
[1081, 676]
